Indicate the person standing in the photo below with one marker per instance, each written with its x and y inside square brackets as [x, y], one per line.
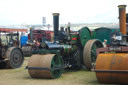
[105, 43]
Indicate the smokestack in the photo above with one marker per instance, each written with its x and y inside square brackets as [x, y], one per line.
[68, 27]
[31, 34]
[122, 18]
[55, 24]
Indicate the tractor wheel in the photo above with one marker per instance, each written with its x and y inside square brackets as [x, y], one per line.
[89, 52]
[15, 57]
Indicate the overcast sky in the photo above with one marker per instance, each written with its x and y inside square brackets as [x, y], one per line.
[74, 11]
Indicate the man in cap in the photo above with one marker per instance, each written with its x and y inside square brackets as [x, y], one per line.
[105, 43]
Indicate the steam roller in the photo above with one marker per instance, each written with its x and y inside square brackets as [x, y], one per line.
[112, 62]
[70, 50]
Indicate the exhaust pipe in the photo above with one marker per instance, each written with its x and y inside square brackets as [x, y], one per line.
[55, 25]
[122, 18]
[68, 27]
[31, 36]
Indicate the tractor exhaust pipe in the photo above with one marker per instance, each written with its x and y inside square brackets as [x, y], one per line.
[122, 18]
[55, 25]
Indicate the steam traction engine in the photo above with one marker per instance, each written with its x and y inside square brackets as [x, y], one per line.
[69, 50]
[35, 37]
[11, 56]
[112, 62]
[39, 34]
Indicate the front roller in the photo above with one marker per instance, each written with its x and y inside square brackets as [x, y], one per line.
[45, 66]
[112, 68]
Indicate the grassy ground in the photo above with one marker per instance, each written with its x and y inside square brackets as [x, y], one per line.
[20, 76]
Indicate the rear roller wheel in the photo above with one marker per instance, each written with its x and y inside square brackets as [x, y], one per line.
[45, 66]
[15, 57]
[89, 53]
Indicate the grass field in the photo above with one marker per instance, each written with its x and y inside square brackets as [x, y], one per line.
[20, 76]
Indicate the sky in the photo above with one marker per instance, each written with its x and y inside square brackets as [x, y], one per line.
[18, 12]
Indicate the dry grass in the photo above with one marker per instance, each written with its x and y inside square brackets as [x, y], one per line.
[20, 76]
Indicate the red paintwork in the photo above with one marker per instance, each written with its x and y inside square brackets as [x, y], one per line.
[49, 31]
[12, 30]
[107, 49]
[42, 33]
[73, 38]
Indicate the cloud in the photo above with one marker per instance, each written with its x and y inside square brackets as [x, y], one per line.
[74, 11]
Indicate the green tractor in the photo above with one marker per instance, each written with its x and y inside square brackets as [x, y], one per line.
[11, 55]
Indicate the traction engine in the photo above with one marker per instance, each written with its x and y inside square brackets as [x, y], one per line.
[69, 50]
